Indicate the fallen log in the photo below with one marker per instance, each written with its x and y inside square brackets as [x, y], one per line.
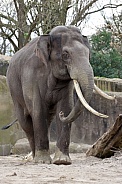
[109, 142]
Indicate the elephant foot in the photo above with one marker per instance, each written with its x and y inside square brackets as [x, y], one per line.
[61, 158]
[28, 157]
[42, 156]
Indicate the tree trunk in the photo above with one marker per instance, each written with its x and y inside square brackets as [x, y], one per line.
[23, 27]
[109, 142]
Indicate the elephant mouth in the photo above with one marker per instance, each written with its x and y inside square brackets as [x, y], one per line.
[84, 102]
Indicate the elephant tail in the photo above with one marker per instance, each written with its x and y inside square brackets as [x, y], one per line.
[9, 125]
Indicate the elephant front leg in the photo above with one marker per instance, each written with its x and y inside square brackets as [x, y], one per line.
[41, 125]
[42, 156]
[42, 153]
[63, 136]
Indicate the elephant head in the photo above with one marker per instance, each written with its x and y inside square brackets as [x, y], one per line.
[67, 52]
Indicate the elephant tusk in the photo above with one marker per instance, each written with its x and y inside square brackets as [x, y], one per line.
[100, 92]
[83, 101]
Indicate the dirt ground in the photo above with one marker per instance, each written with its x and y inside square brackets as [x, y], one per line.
[84, 170]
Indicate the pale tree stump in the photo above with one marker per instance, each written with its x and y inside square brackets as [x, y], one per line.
[109, 142]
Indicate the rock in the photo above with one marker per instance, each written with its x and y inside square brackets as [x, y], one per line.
[4, 62]
[5, 149]
[22, 147]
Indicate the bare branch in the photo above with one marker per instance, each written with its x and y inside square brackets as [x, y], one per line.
[104, 7]
[79, 15]
[10, 39]
[10, 19]
[15, 4]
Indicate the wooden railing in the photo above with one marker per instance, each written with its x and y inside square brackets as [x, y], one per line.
[106, 84]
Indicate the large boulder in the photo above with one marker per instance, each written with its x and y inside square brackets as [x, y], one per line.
[22, 147]
[4, 62]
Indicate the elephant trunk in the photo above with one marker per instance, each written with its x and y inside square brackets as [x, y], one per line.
[84, 76]
[84, 85]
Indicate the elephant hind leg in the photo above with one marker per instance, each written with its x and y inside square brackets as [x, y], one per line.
[30, 133]
[25, 121]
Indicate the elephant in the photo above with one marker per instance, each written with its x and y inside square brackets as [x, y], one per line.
[42, 78]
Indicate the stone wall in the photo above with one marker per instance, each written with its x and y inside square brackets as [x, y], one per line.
[5, 116]
[7, 137]
[88, 127]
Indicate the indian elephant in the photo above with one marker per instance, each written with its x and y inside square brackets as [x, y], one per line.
[41, 78]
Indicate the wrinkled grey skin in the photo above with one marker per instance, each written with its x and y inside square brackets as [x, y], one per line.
[40, 81]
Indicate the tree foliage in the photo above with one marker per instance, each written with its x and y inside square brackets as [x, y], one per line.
[106, 58]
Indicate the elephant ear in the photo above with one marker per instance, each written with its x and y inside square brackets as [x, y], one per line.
[56, 44]
[86, 42]
[42, 49]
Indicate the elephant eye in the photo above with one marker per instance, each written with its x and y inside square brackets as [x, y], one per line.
[65, 56]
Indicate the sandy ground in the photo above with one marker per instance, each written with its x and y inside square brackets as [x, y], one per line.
[84, 170]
